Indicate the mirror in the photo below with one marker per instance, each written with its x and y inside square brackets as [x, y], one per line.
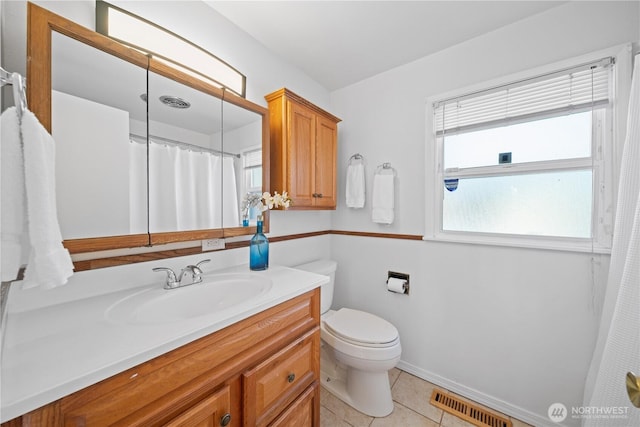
[185, 157]
[242, 135]
[100, 174]
[102, 197]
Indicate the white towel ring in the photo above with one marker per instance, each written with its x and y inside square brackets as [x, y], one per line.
[385, 169]
[356, 158]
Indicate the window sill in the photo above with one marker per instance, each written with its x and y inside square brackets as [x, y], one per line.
[530, 242]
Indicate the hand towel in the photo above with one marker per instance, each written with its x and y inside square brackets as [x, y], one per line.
[382, 202]
[13, 241]
[49, 262]
[355, 186]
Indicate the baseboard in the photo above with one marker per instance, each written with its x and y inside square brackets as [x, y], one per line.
[477, 396]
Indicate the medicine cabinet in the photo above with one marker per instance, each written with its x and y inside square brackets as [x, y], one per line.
[133, 170]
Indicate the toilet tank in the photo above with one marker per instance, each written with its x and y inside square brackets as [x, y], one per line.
[326, 267]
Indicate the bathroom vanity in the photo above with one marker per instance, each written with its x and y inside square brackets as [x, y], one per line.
[254, 363]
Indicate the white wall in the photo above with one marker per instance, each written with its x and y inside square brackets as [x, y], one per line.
[514, 328]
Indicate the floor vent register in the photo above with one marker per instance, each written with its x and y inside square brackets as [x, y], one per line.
[467, 411]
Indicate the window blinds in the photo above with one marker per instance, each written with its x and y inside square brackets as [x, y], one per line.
[562, 92]
[253, 158]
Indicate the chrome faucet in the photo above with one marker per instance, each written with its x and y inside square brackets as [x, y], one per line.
[174, 282]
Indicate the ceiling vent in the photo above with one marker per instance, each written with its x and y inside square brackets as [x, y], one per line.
[174, 102]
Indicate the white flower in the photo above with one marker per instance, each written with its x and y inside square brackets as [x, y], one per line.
[265, 201]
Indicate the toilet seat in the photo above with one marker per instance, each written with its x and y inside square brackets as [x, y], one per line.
[361, 329]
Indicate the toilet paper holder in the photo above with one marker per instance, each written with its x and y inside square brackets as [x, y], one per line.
[401, 276]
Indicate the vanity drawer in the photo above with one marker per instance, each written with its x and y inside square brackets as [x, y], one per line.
[211, 411]
[276, 382]
[304, 411]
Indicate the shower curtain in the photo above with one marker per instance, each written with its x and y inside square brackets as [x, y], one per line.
[187, 188]
[618, 346]
[230, 205]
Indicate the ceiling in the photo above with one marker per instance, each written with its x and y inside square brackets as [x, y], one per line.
[338, 43]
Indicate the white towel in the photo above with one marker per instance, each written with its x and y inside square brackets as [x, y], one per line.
[355, 186]
[14, 240]
[49, 262]
[382, 202]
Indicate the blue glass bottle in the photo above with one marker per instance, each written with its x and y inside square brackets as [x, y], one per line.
[259, 250]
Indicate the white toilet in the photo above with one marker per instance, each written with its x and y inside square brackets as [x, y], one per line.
[358, 349]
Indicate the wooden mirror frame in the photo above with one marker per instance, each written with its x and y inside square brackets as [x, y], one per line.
[40, 25]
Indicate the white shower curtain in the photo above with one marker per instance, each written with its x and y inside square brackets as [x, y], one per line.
[618, 346]
[186, 189]
[231, 208]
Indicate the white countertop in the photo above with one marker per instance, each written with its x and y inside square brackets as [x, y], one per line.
[51, 351]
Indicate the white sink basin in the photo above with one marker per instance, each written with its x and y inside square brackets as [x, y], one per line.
[216, 292]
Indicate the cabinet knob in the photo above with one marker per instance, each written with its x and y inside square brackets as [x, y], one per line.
[291, 377]
[225, 420]
[319, 195]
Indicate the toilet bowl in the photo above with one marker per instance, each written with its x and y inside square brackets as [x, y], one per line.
[357, 351]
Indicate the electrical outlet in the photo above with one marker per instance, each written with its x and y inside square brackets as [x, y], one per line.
[212, 244]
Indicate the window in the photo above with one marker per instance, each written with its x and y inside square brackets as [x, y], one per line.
[252, 179]
[526, 162]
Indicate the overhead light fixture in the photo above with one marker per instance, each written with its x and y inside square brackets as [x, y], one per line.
[168, 47]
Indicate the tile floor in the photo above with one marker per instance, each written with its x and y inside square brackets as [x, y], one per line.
[411, 397]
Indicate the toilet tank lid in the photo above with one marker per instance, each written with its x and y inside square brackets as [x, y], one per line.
[321, 266]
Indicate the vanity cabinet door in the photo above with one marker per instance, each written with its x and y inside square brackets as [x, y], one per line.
[276, 382]
[212, 411]
[303, 412]
[303, 140]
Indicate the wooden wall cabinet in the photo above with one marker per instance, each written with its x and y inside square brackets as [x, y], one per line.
[261, 371]
[304, 141]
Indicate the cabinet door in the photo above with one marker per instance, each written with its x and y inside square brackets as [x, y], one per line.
[211, 411]
[325, 173]
[304, 412]
[275, 383]
[301, 153]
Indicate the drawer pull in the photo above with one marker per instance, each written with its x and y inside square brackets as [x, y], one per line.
[291, 377]
[225, 420]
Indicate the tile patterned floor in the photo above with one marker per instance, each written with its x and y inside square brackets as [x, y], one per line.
[411, 408]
